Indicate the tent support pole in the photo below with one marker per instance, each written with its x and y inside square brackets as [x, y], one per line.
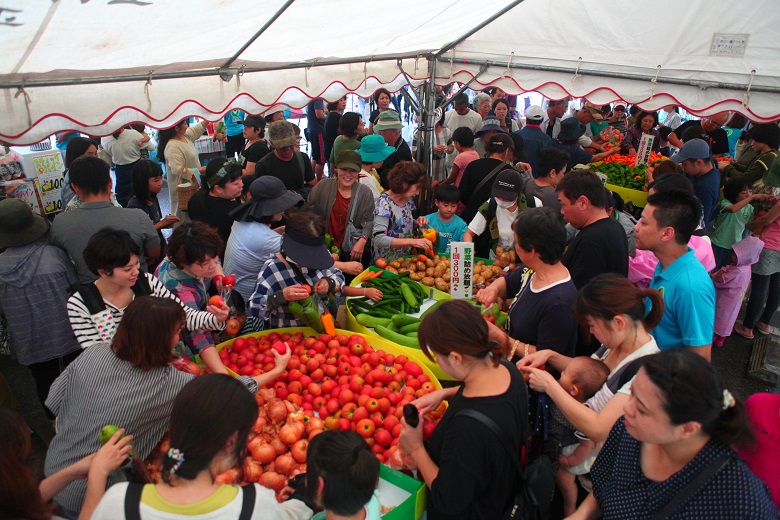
[262, 29]
[704, 85]
[486, 22]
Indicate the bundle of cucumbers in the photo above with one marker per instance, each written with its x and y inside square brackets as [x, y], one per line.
[388, 317]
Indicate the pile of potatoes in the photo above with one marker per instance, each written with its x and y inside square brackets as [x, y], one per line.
[435, 272]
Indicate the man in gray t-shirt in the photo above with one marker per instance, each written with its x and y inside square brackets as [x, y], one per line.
[552, 167]
[91, 180]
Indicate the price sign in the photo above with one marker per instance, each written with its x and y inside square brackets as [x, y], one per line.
[645, 147]
[461, 269]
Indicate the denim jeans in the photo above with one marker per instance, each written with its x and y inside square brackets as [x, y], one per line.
[764, 296]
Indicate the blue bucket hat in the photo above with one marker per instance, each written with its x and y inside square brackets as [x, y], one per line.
[490, 122]
[373, 148]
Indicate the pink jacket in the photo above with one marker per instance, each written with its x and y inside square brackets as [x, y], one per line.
[642, 266]
[731, 282]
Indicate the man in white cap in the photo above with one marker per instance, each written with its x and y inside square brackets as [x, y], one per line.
[533, 136]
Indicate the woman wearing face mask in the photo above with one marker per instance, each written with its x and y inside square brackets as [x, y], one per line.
[491, 227]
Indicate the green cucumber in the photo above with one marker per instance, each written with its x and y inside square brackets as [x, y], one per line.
[395, 337]
[402, 319]
[412, 327]
[409, 295]
[371, 321]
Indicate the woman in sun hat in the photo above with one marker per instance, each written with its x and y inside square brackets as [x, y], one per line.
[252, 241]
[34, 287]
[302, 267]
[491, 125]
[373, 151]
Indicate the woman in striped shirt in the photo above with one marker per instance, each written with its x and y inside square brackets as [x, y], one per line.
[130, 384]
[96, 310]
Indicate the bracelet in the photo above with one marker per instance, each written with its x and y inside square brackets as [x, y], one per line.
[526, 350]
[514, 349]
[364, 293]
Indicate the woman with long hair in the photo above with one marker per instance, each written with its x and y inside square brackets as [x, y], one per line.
[464, 463]
[679, 423]
[206, 438]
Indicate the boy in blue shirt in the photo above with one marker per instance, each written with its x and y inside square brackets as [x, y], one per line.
[448, 226]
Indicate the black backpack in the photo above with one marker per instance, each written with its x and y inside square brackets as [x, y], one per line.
[93, 301]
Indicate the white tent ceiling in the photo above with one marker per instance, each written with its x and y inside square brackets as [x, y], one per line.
[93, 65]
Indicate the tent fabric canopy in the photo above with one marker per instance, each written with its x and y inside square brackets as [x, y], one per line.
[94, 65]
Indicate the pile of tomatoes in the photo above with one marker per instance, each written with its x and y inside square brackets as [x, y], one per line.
[331, 382]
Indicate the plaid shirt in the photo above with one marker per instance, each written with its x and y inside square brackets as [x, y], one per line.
[275, 276]
[192, 292]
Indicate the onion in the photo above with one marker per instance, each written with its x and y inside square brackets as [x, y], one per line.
[284, 464]
[299, 449]
[259, 423]
[264, 453]
[267, 394]
[276, 411]
[290, 433]
[291, 407]
[279, 447]
[251, 445]
[273, 481]
[252, 470]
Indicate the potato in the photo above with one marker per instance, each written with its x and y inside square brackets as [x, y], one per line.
[446, 276]
[421, 266]
[403, 270]
[495, 269]
[442, 285]
[478, 280]
[429, 263]
[428, 280]
[395, 264]
[412, 267]
[392, 269]
[430, 271]
[438, 271]
[499, 250]
[417, 276]
[481, 263]
[405, 262]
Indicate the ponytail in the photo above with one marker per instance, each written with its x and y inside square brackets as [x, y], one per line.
[653, 317]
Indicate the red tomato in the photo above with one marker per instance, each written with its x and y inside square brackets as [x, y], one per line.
[216, 300]
[229, 280]
[365, 427]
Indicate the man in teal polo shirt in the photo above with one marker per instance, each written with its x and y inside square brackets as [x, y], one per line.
[666, 225]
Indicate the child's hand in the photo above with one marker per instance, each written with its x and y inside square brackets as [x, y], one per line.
[321, 287]
[295, 293]
[111, 456]
[763, 196]
[374, 294]
[422, 221]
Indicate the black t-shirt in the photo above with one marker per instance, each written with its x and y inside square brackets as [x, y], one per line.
[472, 176]
[719, 139]
[475, 478]
[544, 319]
[314, 124]
[289, 172]
[254, 153]
[213, 211]
[402, 153]
[601, 247]
[331, 131]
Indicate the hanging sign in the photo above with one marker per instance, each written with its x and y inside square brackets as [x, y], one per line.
[461, 269]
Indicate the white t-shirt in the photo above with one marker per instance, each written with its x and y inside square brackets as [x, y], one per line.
[367, 179]
[112, 507]
[602, 397]
[506, 237]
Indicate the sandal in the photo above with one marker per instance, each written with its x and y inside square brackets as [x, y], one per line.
[740, 330]
[763, 328]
